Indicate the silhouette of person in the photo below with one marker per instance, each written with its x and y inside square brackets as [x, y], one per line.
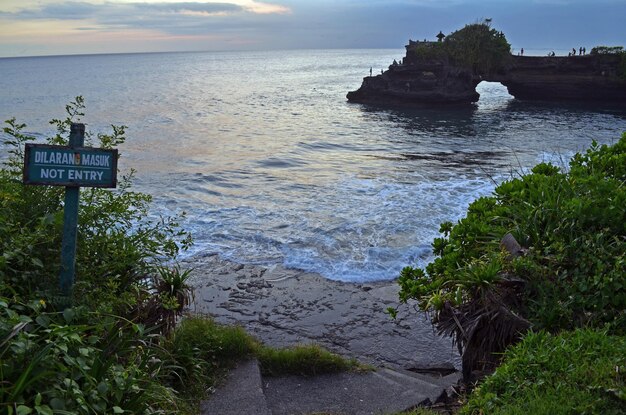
[370, 71]
[522, 51]
[584, 51]
[573, 51]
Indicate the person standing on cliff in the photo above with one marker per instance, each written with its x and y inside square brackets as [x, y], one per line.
[370, 71]
[522, 52]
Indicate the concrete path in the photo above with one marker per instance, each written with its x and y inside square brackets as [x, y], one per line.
[384, 391]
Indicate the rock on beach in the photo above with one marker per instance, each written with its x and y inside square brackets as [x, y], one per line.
[284, 307]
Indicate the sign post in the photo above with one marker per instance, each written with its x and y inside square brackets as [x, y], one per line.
[71, 166]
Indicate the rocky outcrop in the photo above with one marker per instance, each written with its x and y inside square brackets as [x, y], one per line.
[434, 81]
[438, 81]
[575, 78]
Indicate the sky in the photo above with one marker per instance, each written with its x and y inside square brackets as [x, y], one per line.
[61, 27]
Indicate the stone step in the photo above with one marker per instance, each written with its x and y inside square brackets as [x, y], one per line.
[241, 393]
[380, 392]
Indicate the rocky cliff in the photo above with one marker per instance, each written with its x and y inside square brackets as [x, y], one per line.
[437, 80]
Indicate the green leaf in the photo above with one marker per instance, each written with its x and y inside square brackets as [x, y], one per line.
[24, 410]
[69, 314]
[44, 410]
[117, 410]
[36, 262]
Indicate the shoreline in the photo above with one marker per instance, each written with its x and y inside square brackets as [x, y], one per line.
[284, 307]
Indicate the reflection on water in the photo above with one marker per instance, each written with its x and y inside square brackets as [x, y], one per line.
[272, 164]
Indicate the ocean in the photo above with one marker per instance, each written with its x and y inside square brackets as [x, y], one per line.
[271, 164]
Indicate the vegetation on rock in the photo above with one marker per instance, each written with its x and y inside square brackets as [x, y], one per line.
[477, 47]
[613, 50]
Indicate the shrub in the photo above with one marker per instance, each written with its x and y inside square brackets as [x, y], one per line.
[118, 245]
[103, 355]
[480, 47]
[477, 47]
[579, 372]
[76, 362]
[572, 227]
[607, 50]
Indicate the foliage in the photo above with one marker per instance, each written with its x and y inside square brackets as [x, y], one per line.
[76, 362]
[169, 296]
[572, 227]
[103, 355]
[607, 50]
[427, 51]
[613, 50]
[579, 372]
[117, 244]
[477, 47]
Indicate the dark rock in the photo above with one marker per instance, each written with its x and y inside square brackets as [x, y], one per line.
[438, 81]
[510, 244]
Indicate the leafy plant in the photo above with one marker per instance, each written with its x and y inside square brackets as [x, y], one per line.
[98, 356]
[573, 372]
[118, 245]
[477, 47]
[75, 362]
[607, 50]
[571, 273]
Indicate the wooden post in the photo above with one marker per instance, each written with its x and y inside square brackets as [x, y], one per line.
[70, 220]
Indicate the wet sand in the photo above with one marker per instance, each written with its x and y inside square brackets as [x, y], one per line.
[285, 307]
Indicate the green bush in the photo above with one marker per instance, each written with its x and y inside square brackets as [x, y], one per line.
[579, 372]
[607, 50]
[480, 47]
[103, 355]
[118, 245]
[76, 362]
[477, 47]
[571, 226]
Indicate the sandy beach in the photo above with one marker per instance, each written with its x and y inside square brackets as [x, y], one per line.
[285, 307]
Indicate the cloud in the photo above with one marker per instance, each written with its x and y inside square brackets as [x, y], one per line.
[86, 10]
[170, 17]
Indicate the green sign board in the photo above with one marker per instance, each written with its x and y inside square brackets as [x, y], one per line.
[70, 166]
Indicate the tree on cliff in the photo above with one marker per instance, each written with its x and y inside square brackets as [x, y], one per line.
[479, 47]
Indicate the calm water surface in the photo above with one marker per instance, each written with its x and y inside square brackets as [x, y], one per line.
[273, 165]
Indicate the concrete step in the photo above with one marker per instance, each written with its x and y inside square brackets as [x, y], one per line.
[241, 393]
[381, 392]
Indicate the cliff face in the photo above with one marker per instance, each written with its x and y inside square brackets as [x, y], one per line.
[437, 81]
[575, 78]
[434, 81]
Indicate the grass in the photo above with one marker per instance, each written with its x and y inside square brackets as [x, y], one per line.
[200, 352]
[576, 372]
[305, 360]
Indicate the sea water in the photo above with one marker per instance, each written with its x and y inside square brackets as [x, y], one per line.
[272, 165]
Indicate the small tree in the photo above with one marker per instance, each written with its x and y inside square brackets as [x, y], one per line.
[479, 46]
